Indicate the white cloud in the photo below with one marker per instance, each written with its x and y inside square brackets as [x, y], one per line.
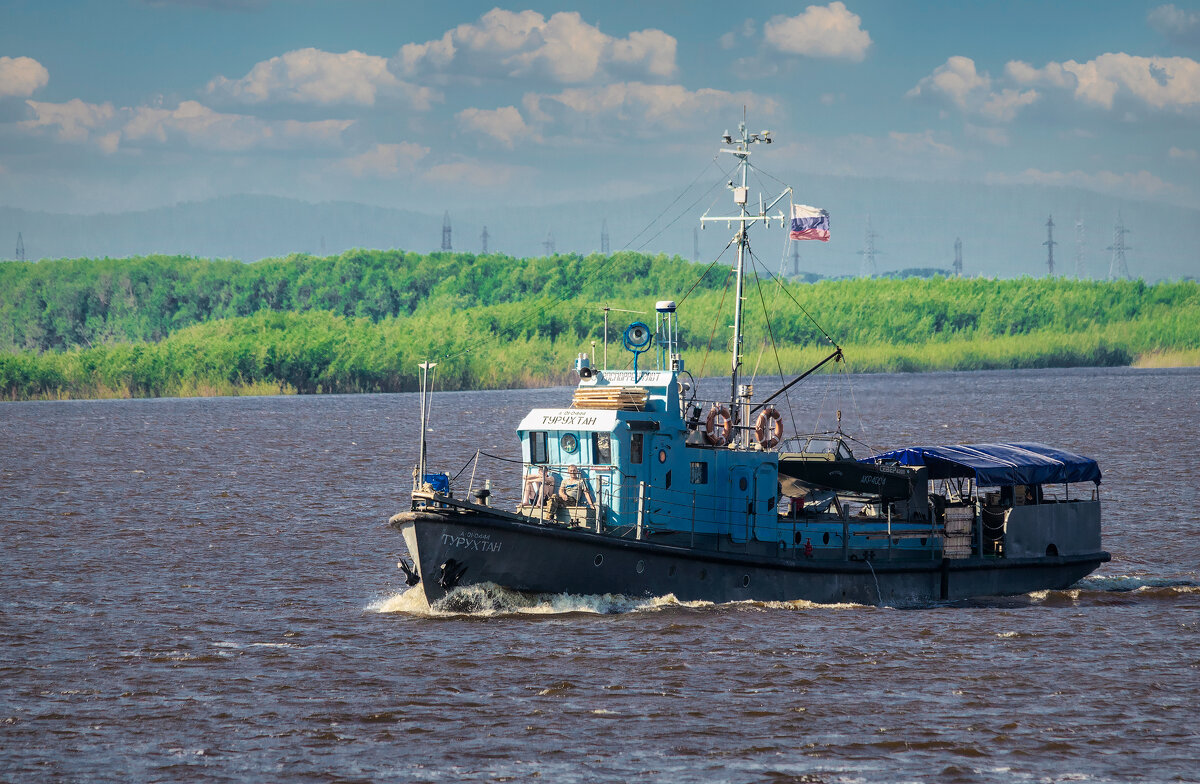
[959, 83]
[1138, 185]
[1175, 24]
[1182, 154]
[190, 124]
[1003, 106]
[385, 160]
[635, 108]
[730, 39]
[74, 120]
[831, 31]
[201, 127]
[1158, 82]
[955, 80]
[314, 76]
[21, 76]
[563, 49]
[504, 124]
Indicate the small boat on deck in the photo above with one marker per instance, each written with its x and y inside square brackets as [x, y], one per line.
[636, 486]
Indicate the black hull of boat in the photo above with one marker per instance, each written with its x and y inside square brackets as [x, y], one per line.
[455, 548]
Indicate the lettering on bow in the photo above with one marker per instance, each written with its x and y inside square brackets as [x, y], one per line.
[469, 540]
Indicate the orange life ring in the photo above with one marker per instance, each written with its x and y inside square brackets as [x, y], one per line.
[765, 419]
[711, 433]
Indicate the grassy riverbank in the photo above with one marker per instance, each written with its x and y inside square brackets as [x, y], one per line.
[361, 322]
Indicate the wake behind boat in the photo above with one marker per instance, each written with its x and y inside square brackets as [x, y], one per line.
[638, 487]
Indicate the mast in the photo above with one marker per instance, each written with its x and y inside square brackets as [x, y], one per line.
[739, 396]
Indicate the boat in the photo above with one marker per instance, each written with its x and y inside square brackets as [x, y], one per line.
[636, 486]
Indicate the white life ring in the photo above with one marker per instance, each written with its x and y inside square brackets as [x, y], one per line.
[769, 419]
[718, 435]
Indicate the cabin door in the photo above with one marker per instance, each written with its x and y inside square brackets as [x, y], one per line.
[741, 499]
[662, 490]
[766, 495]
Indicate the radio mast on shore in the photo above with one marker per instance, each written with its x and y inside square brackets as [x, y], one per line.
[20, 247]
[869, 252]
[958, 257]
[446, 232]
[604, 237]
[1050, 243]
[1117, 268]
[483, 240]
[548, 245]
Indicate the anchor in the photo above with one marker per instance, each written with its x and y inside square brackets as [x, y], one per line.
[410, 572]
[452, 572]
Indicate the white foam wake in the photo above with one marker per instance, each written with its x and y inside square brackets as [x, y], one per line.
[488, 600]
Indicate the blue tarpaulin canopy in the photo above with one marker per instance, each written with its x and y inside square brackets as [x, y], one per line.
[994, 465]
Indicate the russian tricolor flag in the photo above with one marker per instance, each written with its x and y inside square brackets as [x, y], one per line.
[809, 223]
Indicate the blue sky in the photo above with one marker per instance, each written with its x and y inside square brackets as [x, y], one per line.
[131, 104]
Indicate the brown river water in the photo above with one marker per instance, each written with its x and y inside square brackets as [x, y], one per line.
[206, 590]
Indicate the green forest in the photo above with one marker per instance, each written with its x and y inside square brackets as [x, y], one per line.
[362, 320]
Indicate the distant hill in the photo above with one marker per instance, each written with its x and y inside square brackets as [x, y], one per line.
[1002, 229]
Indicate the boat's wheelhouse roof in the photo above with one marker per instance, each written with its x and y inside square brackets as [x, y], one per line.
[994, 465]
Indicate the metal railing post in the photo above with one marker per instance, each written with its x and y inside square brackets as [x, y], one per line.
[641, 507]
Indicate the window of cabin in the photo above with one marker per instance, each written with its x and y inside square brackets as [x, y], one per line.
[700, 473]
[601, 449]
[537, 447]
[635, 447]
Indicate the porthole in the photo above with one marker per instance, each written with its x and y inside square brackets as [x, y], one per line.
[742, 484]
[599, 559]
[569, 443]
[662, 455]
[745, 581]
[799, 537]
[825, 538]
[923, 539]
[641, 566]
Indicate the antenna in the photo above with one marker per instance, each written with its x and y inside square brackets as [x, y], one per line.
[483, 239]
[20, 247]
[795, 258]
[958, 257]
[1079, 237]
[739, 397]
[604, 237]
[869, 252]
[1117, 268]
[606, 309]
[1050, 243]
[446, 232]
[548, 245]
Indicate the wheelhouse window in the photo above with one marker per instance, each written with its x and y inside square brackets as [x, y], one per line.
[635, 447]
[537, 447]
[700, 473]
[601, 449]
